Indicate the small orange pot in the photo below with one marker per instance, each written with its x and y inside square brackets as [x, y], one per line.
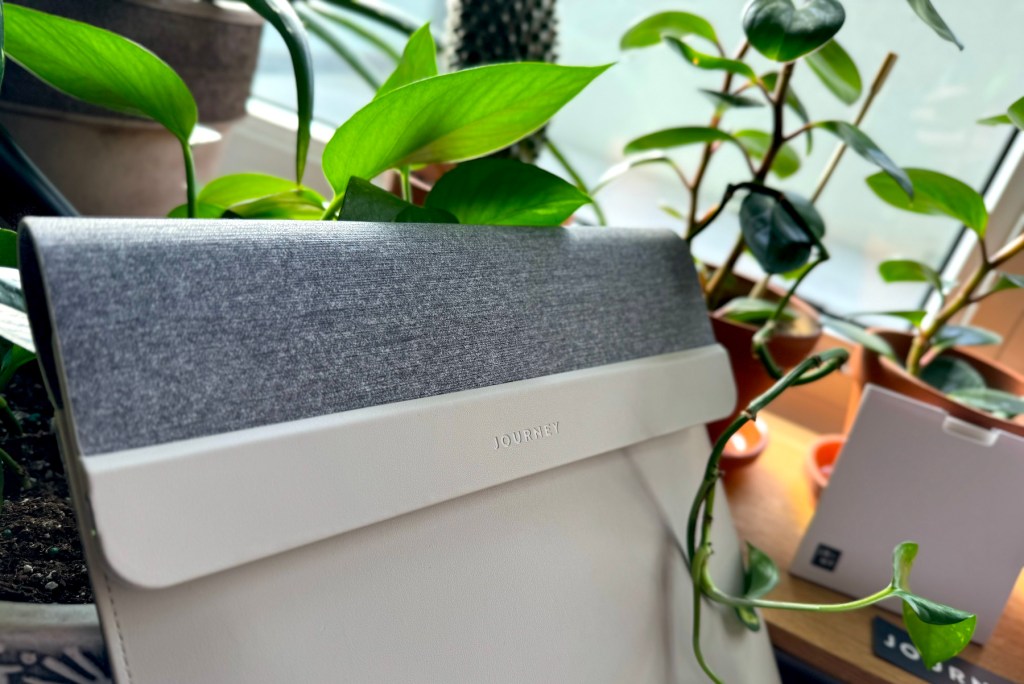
[869, 367]
[821, 459]
[745, 446]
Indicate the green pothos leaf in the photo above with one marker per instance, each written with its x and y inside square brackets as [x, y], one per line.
[419, 61]
[949, 374]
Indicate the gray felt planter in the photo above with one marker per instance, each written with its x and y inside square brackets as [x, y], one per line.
[51, 644]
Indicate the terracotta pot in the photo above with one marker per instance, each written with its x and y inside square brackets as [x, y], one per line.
[868, 367]
[787, 347]
[821, 460]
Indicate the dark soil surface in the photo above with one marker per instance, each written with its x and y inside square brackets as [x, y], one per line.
[40, 552]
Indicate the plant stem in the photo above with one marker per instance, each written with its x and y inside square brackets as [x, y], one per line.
[922, 339]
[8, 419]
[318, 27]
[190, 177]
[406, 183]
[714, 288]
[715, 594]
[331, 213]
[876, 86]
[563, 161]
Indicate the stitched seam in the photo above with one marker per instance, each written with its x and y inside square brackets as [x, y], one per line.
[117, 626]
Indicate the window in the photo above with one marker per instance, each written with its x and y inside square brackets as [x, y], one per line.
[925, 117]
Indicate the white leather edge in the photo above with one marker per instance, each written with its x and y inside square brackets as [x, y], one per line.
[175, 512]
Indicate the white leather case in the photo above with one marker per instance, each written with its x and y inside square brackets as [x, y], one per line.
[521, 532]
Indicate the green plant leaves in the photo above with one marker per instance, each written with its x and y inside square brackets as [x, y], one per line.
[364, 201]
[677, 137]
[452, 117]
[914, 317]
[990, 400]
[753, 310]
[774, 236]
[860, 143]
[783, 32]
[1008, 281]
[242, 187]
[837, 71]
[862, 337]
[723, 101]
[3, 65]
[8, 247]
[711, 62]
[930, 16]
[910, 271]
[949, 374]
[757, 143]
[14, 325]
[1014, 115]
[770, 81]
[505, 192]
[281, 15]
[255, 195]
[650, 30]
[760, 577]
[15, 357]
[963, 336]
[934, 193]
[419, 61]
[300, 204]
[99, 67]
[939, 632]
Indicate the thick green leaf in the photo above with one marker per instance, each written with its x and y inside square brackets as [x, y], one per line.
[1008, 281]
[8, 247]
[964, 336]
[771, 80]
[773, 235]
[949, 374]
[914, 317]
[930, 16]
[996, 120]
[862, 337]
[416, 214]
[203, 211]
[364, 201]
[708, 62]
[100, 67]
[723, 101]
[837, 70]
[419, 61]
[860, 143]
[281, 15]
[934, 193]
[1016, 113]
[938, 631]
[677, 137]
[991, 400]
[15, 358]
[450, 118]
[650, 30]
[505, 192]
[752, 310]
[756, 143]
[760, 577]
[783, 32]
[910, 271]
[242, 187]
[299, 205]
[3, 65]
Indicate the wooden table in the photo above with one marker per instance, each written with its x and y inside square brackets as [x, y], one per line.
[772, 503]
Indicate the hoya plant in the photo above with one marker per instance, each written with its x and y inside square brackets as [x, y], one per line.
[934, 332]
[781, 229]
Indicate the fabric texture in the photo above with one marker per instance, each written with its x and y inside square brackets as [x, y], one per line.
[169, 330]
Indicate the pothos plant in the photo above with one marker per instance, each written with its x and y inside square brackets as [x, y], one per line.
[418, 116]
[933, 332]
[784, 233]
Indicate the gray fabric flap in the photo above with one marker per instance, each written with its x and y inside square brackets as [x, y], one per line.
[153, 331]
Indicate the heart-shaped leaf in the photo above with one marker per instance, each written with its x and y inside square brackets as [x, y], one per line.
[771, 80]
[778, 240]
[419, 61]
[860, 143]
[938, 631]
[949, 374]
[724, 101]
[451, 118]
[281, 15]
[760, 577]
[990, 400]
[757, 143]
[963, 336]
[753, 310]
[861, 336]
[677, 137]
[1008, 281]
[926, 10]
[505, 192]
[711, 62]
[934, 193]
[910, 271]
[783, 32]
[100, 67]
[650, 30]
[364, 201]
[836, 69]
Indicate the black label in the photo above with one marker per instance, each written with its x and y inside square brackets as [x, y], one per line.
[893, 644]
[826, 557]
